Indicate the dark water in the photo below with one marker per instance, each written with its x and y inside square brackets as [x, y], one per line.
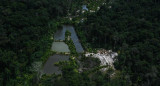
[60, 35]
[49, 67]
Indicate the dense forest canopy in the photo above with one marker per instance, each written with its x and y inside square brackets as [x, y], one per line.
[130, 27]
[26, 27]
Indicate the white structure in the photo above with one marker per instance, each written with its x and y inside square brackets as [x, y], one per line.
[98, 8]
[110, 7]
[92, 11]
[106, 57]
[84, 7]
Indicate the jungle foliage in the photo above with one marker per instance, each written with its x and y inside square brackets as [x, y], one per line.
[130, 27]
[26, 29]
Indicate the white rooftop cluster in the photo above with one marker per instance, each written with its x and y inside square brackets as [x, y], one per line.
[106, 57]
[92, 11]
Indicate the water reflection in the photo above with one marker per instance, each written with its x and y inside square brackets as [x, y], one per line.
[60, 47]
[50, 68]
[60, 35]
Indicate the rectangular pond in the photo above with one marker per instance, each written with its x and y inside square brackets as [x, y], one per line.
[60, 47]
[60, 35]
[50, 68]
